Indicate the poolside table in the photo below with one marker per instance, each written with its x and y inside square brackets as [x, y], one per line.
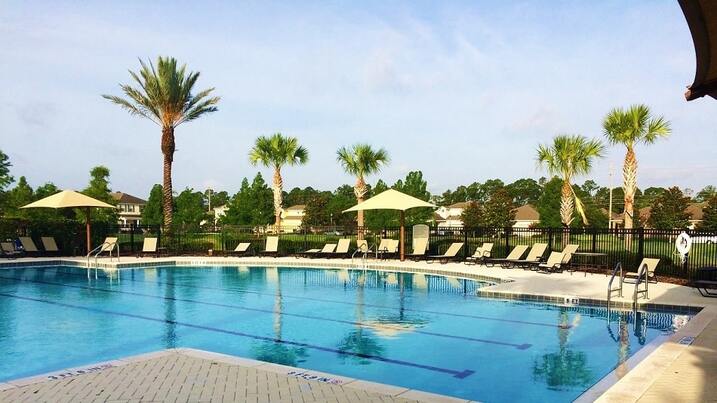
[590, 260]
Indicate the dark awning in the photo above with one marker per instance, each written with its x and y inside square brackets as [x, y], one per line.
[701, 17]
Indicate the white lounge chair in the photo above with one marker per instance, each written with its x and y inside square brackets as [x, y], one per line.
[450, 254]
[481, 253]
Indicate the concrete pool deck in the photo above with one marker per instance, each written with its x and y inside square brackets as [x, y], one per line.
[684, 368]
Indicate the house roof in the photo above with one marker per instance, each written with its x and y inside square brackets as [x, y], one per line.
[526, 213]
[695, 210]
[701, 16]
[127, 198]
[297, 207]
[460, 205]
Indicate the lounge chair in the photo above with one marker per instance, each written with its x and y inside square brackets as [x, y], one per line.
[419, 249]
[554, 263]
[108, 246]
[534, 256]
[651, 266]
[515, 254]
[342, 248]
[49, 245]
[149, 247]
[568, 251]
[28, 245]
[243, 248]
[272, 247]
[326, 251]
[450, 254]
[706, 281]
[386, 248]
[481, 254]
[7, 250]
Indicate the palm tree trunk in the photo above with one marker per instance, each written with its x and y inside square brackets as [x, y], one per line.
[360, 191]
[566, 204]
[168, 152]
[629, 176]
[278, 196]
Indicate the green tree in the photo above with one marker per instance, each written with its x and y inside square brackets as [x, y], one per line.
[152, 212]
[165, 96]
[275, 151]
[213, 199]
[709, 216]
[524, 191]
[414, 185]
[486, 190]
[548, 204]
[99, 188]
[706, 194]
[252, 205]
[361, 160]
[17, 197]
[5, 177]
[472, 215]
[569, 156]
[342, 199]
[190, 210]
[316, 212]
[669, 210]
[498, 210]
[629, 127]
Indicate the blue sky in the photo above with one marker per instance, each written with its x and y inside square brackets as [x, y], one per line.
[463, 91]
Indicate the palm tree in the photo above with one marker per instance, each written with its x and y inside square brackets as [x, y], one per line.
[276, 151]
[569, 156]
[629, 127]
[164, 96]
[361, 160]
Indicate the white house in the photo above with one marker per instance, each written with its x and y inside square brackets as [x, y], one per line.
[219, 212]
[292, 217]
[450, 216]
[130, 208]
[526, 216]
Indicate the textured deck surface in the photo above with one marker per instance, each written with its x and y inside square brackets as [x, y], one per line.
[178, 377]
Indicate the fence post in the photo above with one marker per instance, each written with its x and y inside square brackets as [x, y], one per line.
[594, 239]
[640, 244]
[306, 247]
[550, 239]
[132, 228]
[159, 236]
[507, 241]
[465, 242]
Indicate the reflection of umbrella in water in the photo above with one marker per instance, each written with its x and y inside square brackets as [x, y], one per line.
[71, 199]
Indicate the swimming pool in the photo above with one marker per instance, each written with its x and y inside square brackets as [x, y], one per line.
[419, 331]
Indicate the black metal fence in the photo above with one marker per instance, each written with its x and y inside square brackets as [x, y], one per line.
[609, 245]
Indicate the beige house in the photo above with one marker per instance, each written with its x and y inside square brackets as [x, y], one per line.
[450, 216]
[526, 216]
[130, 208]
[694, 210]
[292, 217]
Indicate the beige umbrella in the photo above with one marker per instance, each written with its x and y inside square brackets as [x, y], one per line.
[393, 200]
[71, 199]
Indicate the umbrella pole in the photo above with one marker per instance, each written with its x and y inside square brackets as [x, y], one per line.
[403, 235]
[87, 230]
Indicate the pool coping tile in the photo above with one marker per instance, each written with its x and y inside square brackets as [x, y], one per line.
[421, 396]
[6, 386]
[382, 388]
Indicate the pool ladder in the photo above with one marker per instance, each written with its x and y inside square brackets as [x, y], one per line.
[363, 253]
[610, 290]
[641, 279]
[105, 247]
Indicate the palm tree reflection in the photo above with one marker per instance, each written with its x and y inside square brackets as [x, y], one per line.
[360, 340]
[565, 368]
[276, 351]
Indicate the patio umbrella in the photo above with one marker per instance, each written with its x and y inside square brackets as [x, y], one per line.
[71, 199]
[392, 200]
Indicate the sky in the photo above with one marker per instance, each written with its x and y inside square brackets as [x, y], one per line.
[463, 91]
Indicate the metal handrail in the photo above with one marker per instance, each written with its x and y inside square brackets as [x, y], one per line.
[364, 254]
[610, 290]
[97, 251]
[642, 274]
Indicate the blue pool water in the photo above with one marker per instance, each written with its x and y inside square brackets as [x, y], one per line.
[419, 331]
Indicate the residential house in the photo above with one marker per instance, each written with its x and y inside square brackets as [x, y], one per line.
[694, 210]
[292, 217]
[526, 216]
[130, 208]
[450, 216]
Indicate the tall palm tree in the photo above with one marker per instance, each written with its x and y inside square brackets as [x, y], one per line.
[361, 160]
[164, 95]
[569, 156]
[276, 151]
[629, 127]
